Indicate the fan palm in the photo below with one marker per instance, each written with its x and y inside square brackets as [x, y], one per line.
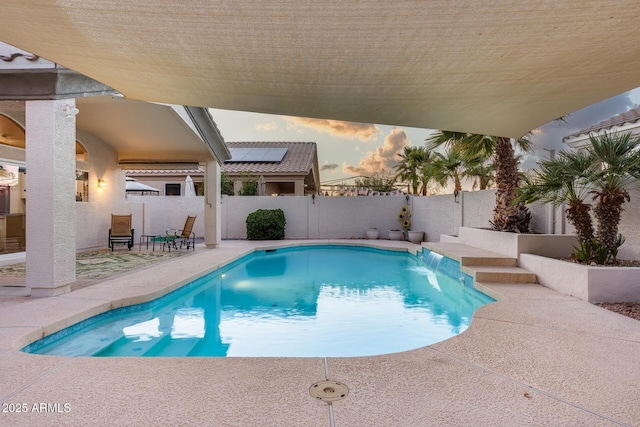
[409, 169]
[618, 163]
[447, 167]
[563, 180]
[605, 170]
[507, 215]
[429, 172]
[480, 171]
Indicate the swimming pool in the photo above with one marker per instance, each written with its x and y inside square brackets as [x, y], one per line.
[308, 301]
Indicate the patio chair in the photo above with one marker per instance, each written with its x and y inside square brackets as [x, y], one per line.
[121, 231]
[185, 237]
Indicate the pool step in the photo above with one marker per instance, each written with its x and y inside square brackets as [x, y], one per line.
[169, 347]
[126, 345]
[499, 274]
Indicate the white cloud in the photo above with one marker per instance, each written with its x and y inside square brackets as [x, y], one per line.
[384, 158]
[338, 128]
[267, 126]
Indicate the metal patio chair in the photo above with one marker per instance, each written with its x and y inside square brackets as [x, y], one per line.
[121, 231]
[184, 237]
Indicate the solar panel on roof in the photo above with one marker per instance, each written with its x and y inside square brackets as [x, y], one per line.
[256, 154]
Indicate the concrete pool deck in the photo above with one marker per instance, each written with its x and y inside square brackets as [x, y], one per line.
[535, 357]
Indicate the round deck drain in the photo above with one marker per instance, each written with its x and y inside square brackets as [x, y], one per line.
[328, 391]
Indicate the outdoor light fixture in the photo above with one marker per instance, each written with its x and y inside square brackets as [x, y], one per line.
[455, 196]
[70, 111]
[101, 183]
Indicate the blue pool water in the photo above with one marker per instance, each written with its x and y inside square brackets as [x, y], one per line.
[310, 301]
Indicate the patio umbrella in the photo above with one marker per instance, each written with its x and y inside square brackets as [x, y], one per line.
[7, 177]
[189, 188]
[137, 187]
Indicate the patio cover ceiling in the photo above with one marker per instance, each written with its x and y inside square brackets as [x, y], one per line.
[141, 132]
[501, 67]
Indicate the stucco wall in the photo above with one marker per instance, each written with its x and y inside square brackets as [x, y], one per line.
[478, 208]
[319, 217]
[161, 212]
[630, 227]
[93, 218]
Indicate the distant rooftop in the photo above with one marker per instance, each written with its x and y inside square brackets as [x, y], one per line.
[631, 116]
[296, 157]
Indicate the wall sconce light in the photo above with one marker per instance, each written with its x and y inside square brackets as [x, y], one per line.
[70, 111]
[456, 193]
[101, 183]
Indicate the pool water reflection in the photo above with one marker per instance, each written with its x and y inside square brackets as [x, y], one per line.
[308, 301]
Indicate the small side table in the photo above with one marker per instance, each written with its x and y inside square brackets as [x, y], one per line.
[150, 237]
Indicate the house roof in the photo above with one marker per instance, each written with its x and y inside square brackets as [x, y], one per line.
[298, 160]
[628, 117]
[502, 67]
[169, 171]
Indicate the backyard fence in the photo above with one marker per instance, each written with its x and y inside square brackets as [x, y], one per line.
[322, 217]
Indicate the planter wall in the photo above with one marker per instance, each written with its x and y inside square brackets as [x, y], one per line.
[593, 284]
[514, 244]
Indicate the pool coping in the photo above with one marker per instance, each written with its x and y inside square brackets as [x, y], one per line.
[524, 357]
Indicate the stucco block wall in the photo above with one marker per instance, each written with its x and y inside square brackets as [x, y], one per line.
[436, 215]
[162, 212]
[319, 217]
[349, 217]
[630, 227]
[478, 208]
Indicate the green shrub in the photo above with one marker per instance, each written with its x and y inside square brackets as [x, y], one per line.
[266, 224]
[226, 185]
[249, 185]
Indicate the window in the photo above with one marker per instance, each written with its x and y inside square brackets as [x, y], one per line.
[172, 189]
[82, 186]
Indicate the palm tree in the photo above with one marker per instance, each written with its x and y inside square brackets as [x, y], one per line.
[448, 166]
[507, 215]
[619, 167]
[411, 162]
[563, 180]
[480, 171]
[605, 169]
[429, 172]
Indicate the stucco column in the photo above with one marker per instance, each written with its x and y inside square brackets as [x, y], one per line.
[212, 205]
[51, 206]
[299, 188]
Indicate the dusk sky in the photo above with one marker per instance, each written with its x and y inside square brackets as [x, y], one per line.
[347, 149]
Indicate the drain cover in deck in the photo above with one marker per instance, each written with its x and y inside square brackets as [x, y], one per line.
[328, 391]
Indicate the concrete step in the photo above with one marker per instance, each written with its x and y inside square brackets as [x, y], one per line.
[497, 274]
[14, 291]
[468, 255]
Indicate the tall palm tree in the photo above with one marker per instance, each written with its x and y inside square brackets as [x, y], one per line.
[409, 169]
[448, 166]
[429, 172]
[507, 215]
[480, 171]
